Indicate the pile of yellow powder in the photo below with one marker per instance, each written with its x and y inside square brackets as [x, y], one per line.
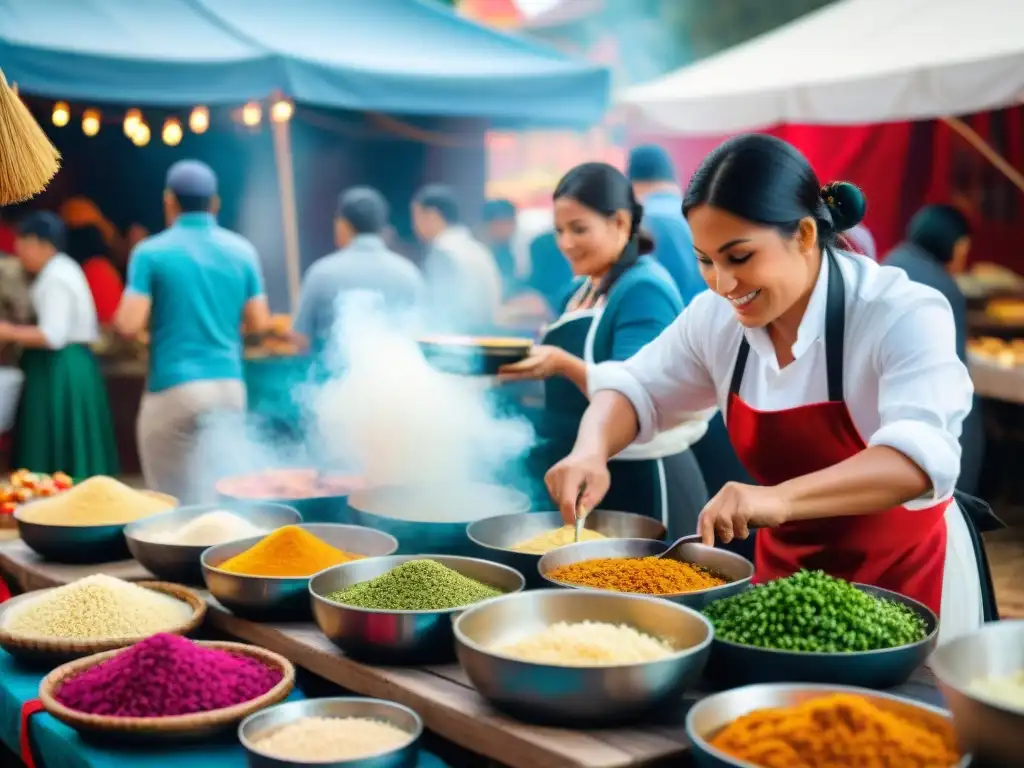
[98, 607]
[99, 500]
[587, 644]
[330, 739]
[543, 543]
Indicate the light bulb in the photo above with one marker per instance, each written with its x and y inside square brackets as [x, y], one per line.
[61, 114]
[199, 120]
[281, 111]
[132, 118]
[251, 114]
[141, 136]
[91, 122]
[172, 132]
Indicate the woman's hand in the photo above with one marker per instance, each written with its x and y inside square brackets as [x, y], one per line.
[576, 473]
[543, 362]
[737, 508]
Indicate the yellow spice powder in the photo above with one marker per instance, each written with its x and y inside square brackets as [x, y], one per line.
[544, 542]
[99, 500]
[287, 552]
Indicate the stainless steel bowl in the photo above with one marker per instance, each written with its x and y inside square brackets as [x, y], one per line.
[712, 713]
[397, 637]
[495, 536]
[275, 717]
[407, 512]
[270, 598]
[734, 664]
[731, 566]
[580, 696]
[990, 728]
[180, 562]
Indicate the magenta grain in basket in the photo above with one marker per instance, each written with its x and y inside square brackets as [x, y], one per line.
[167, 675]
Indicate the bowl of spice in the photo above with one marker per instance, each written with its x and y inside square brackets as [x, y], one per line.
[520, 540]
[339, 732]
[582, 659]
[399, 609]
[166, 687]
[981, 676]
[819, 726]
[96, 613]
[170, 544]
[693, 575]
[320, 497]
[85, 524]
[813, 628]
[266, 578]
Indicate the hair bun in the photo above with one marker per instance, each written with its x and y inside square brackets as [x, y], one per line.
[846, 203]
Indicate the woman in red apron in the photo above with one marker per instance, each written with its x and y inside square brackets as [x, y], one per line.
[839, 379]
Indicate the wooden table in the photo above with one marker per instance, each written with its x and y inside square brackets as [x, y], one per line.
[441, 694]
[997, 382]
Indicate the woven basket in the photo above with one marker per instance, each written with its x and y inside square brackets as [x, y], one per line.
[57, 651]
[197, 726]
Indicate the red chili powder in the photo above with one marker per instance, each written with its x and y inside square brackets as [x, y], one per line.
[167, 675]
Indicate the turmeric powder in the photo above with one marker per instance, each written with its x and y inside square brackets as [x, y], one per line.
[639, 575]
[839, 731]
[287, 552]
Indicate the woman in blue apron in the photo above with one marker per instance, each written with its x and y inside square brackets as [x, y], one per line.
[620, 301]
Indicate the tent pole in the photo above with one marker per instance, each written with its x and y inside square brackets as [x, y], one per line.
[987, 151]
[289, 212]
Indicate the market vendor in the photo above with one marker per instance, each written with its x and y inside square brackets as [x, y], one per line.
[840, 381]
[620, 301]
[64, 422]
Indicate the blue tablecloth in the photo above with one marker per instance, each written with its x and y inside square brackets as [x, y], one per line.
[57, 746]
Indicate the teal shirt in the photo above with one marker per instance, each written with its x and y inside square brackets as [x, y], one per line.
[199, 277]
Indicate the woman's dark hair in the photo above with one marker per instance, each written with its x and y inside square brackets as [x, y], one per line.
[936, 229]
[768, 181]
[86, 243]
[604, 189]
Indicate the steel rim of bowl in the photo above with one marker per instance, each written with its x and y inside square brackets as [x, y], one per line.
[494, 548]
[461, 637]
[143, 524]
[499, 566]
[413, 737]
[943, 675]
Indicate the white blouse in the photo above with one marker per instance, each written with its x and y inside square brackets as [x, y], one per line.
[65, 311]
[902, 381]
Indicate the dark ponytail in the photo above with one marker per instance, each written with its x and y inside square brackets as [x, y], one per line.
[605, 190]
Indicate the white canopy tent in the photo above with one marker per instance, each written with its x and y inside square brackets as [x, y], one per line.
[853, 62]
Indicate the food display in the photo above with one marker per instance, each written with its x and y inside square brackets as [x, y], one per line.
[288, 552]
[97, 607]
[417, 585]
[208, 530]
[838, 730]
[1005, 354]
[328, 739]
[1008, 311]
[23, 486]
[482, 342]
[638, 575]
[587, 644]
[544, 542]
[813, 612]
[99, 500]
[278, 341]
[1008, 690]
[287, 484]
[166, 675]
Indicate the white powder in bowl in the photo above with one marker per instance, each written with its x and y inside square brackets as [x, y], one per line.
[208, 530]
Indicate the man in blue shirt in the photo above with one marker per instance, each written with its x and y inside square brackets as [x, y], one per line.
[195, 284]
[656, 187]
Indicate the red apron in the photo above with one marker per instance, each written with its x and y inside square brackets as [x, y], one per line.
[898, 549]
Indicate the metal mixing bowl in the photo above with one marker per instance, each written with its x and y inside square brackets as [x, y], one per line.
[495, 536]
[331, 508]
[279, 598]
[990, 728]
[388, 509]
[734, 664]
[738, 570]
[275, 717]
[180, 562]
[580, 696]
[397, 637]
[712, 713]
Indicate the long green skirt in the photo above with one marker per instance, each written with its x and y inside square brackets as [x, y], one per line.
[64, 420]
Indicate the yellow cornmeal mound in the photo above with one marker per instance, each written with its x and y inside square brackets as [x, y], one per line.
[543, 543]
[329, 739]
[99, 500]
[587, 644]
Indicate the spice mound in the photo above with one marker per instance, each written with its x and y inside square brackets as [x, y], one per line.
[327, 739]
[1006, 690]
[417, 585]
[587, 644]
[164, 676]
[99, 500]
[639, 575]
[98, 607]
[287, 552]
[543, 543]
[839, 730]
[208, 530]
[811, 611]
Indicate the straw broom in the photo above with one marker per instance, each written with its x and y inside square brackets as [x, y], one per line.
[28, 161]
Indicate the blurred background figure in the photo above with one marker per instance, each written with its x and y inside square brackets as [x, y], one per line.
[91, 252]
[499, 232]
